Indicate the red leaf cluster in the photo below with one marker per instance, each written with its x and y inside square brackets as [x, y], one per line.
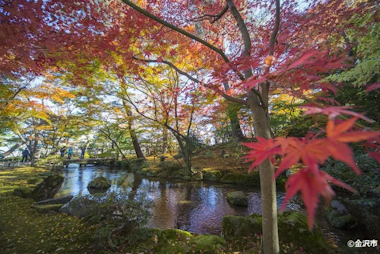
[312, 152]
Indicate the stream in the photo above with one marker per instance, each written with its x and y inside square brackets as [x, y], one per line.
[198, 207]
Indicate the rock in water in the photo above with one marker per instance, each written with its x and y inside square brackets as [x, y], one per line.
[48, 187]
[99, 183]
[237, 198]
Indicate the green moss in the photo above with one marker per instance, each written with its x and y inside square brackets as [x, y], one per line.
[251, 179]
[339, 220]
[209, 242]
[293, 232]
[178, 241]
[23, 192]
[212, 175]
[170, 165]
[99, 183]
[34, 180]
[24, 230]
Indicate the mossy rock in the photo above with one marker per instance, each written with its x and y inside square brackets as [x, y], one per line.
[179, 241]
[47, 208]
[99, 183]
[170, 165]
[237, 198]
[23, 192]
[198, 176]
[34, 180]
[48, 187]
[292, 226]
[251, 179]
[212, 175]
[238, 226]
[173, 234]
[340, 220]
[209, 242]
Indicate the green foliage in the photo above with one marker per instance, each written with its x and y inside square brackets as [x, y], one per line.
[195, 144]
[50, 160]
[367, 53]
[360, 100]
[364, 183]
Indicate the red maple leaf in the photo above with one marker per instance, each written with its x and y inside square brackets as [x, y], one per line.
[311, 182]
[261, 150]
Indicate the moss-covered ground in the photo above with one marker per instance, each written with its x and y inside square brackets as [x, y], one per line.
[25, 230]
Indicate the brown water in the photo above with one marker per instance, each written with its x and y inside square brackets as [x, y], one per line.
[198, 207]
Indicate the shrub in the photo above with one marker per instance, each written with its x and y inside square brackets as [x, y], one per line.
[119, 217]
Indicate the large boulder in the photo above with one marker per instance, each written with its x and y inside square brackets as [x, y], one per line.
[79, 206]
[293, 232]
[48, 187]
[237, 198]
[99, 183]
[60, 200]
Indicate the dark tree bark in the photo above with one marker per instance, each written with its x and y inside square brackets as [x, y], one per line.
[237, 134]
[132, 132]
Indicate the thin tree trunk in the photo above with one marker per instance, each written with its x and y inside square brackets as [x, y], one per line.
[186, 155]
[237, 134]
[268, 187]
[132, 132]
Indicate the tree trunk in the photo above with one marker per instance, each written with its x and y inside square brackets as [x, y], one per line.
[186, 154]
[135, 141]
[268, 187]
[237, 134]
[164, 140]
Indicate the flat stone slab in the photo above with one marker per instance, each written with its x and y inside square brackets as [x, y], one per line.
[50, 201]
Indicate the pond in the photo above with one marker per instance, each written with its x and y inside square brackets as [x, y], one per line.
[198, 207]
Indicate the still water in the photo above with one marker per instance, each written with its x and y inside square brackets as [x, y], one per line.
[198, 207]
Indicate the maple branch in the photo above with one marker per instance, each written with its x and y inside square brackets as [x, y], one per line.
[167, 24]
[208, 16]
[275, 29]
[244, 32]
[265, 86]
[16, 93]
[224, 95]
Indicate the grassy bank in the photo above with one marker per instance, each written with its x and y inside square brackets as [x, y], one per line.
[25, 230]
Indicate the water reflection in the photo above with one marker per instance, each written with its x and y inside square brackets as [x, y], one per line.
[196, 207]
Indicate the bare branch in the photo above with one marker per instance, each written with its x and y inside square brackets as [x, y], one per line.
[213, 17]
[224, 95]
[163, 22]
[244, 32]
[275, 29]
